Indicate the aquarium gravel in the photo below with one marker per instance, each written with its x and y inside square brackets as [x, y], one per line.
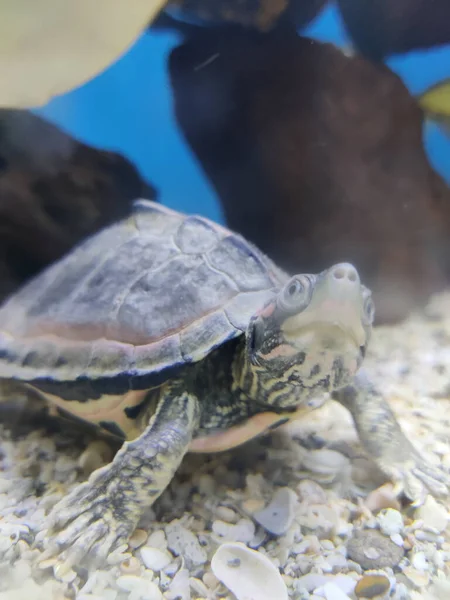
[301, 514]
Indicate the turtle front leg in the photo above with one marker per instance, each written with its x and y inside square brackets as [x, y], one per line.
[386, 443]
[99, 515]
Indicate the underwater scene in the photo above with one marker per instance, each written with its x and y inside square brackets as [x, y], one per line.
[225, 300]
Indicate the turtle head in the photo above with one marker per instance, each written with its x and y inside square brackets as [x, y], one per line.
[312, 335]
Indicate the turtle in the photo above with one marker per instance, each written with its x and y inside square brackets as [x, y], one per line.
[174, 334]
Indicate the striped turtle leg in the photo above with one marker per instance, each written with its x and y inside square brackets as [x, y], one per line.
[386, 443]
[99, 515]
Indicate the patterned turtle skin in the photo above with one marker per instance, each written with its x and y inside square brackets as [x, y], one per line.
[175, 334]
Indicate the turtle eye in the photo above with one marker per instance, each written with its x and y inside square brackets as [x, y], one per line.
[296, 294]
[294, 288]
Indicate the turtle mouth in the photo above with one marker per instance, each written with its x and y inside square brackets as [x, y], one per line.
[341, 318]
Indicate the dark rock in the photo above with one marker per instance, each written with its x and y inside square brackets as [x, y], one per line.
[382, 27]
[54, 191]
[372, 550]
[317, 158]
[258, 14]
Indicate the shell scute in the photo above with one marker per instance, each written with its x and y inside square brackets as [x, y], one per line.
[158, 356]
[204, 335]
[155, 220]
[234, 250]
[196, 235]
[154, 291]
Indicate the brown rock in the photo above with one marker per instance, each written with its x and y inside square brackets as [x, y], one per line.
[371, 586]
[258, 14]
[317, 158]
[383, 27]
[54, 191]
[372, 550]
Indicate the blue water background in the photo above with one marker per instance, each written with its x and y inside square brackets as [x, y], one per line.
[128, 109]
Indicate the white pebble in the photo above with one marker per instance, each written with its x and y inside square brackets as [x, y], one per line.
[390, 521]
[397, 539]
[183, 542]
[138, 538]
[420, 562]
[311, 581]
[333, 592]
[154, 558]
[242, 531]
[226, 514]
[157, 539]
[279, 514]
[141, 587]
[433, 514]
[179, 588]
[325, 461]
[249, 574]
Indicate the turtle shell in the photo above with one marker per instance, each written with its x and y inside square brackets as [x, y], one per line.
[154, 291]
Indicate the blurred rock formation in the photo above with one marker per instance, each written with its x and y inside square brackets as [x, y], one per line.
[261, 15]
[383, 27]
[316, 157]
[54, 191]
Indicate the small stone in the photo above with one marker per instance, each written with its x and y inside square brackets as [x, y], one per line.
[147, 589]
[320, 518]
[325, 461]
[333, 592]
[382, 497]
[242, 531]
[210, 580]
[198, 586]
[371, 586]
[179, 587]
[397, 539]
[311, 492]
[390, 521]
[372, 550]
[226, 514]
[155, 559]
[249, 574]
[130, 566]
[183, 542]
[433, 514]
[419, 579]
[420, 562]
[157, 539]
[138, 538]
[253, 505]
[311, 581]
[278, 515]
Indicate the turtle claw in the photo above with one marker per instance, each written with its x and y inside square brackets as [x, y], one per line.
[416, 478]
[83, 528]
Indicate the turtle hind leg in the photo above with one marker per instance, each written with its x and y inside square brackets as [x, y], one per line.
[387, 445]
[100, 515]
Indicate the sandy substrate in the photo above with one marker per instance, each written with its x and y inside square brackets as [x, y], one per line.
[306, 499]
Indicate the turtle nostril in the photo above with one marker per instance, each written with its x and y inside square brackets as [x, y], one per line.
[345, 271]
[339, 273]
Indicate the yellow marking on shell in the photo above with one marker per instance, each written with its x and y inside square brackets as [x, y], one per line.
[106, 408]
[239, 434]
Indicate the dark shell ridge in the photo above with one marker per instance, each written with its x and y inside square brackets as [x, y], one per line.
[156, 290]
